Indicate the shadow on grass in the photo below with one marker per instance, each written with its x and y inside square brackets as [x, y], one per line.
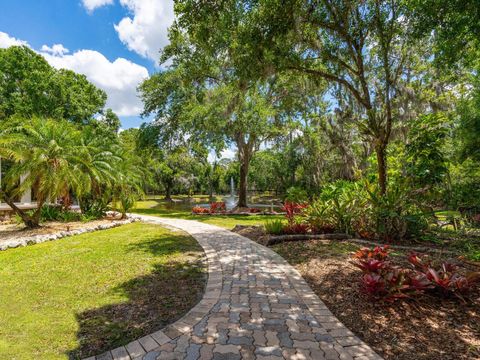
[169, 245]
[425, 328]
[154, 301]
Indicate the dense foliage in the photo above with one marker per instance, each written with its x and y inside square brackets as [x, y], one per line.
[58, 141]
[367, 109]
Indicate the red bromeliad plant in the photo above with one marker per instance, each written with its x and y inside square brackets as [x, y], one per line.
[371, 265]
[382, 280]
[293, 209]
[200, 210]
[445, 279]
[378, 253]
[217, 207]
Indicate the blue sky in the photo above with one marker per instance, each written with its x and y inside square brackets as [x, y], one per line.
[115, 43]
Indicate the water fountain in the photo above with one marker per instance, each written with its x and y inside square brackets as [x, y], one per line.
[231, 200]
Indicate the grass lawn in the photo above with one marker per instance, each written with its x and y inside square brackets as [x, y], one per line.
[86, 294]
[184, 211]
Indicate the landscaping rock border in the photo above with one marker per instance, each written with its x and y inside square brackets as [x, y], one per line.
[275, 239]
[402, 247]
[239, 213]
[38, 239]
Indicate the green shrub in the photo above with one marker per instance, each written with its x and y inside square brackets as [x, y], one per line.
[50, 213]
[296, 195]
[359, 208]
[56, 213]
[319, 216]
[95, 207]
[337, 208]
[274, 227]
[395, 215]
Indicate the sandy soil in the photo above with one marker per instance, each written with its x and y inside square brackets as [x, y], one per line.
[10, 231]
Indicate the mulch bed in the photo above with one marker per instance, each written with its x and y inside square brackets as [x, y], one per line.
[426, 327]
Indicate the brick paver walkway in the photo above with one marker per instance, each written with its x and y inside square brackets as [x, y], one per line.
[256, 306]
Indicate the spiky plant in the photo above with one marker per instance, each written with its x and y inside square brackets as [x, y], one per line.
[48, 156]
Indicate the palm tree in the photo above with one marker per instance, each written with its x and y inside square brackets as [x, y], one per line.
[101, 166]
[128, 183]
[48, 155]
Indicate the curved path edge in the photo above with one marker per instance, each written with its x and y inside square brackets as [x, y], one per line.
[255, 306]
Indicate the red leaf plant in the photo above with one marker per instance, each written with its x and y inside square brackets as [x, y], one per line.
[445, 279]
[371, 265]
[217, 207]
[292, 209]
[200, 210]
[377, 253]
[384, 281]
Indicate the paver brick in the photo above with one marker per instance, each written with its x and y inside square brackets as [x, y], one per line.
[224, 349]
[256, 306]
[135, 349]
[120, 353]
[105, 356]
[272, 339]
[268, 350]
[148, 343]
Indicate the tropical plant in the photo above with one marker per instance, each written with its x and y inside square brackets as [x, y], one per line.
[296, 195]
[57, 213]
[292, 210]
[394, 214]
[217, 207]
[338, 207]
[274, 227]
[319, 216]
[101, 164]
[383, 280]
[47, 155]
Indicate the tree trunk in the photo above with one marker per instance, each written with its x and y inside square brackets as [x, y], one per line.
[380, 151]
[242, 191]
[168, 192]
[210, 192]
[30, 222]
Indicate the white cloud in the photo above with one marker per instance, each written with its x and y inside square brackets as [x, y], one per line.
[228, 153]
[119, 78]
[56, 49]
[91, 5]
[7, 41]
[146, 31]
